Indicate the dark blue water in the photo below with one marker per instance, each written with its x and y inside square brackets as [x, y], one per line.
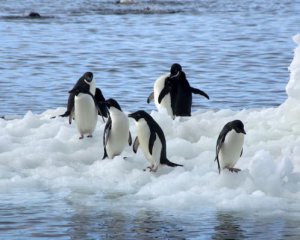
[236, 51]
[44, 217]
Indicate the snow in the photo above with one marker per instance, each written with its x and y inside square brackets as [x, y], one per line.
[38, 153]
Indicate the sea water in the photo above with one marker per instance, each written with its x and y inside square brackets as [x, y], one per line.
[236, 51]
[54, 185]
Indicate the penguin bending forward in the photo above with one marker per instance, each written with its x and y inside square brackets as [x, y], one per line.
[116, 133]
[152, 140]
[86, 113]
[229, 146]
[85, 83]
[159, 85]
[181, 93]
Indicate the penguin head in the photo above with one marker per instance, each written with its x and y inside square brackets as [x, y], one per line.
[175, 68]
[112, 103]
[88, 76]
[138, 115]
[238, 126]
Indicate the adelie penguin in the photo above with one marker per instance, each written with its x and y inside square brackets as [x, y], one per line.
[181, 94]
[229, 146]
[152, 140]
[159, 85]
[85, 83]
[85, 112]
[116, 133]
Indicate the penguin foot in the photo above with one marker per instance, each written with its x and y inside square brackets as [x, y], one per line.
[145, 169]
[81, 137]
[151, 169]
[90, 136]
[236, 170]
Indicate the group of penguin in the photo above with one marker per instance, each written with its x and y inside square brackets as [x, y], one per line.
[173, 93]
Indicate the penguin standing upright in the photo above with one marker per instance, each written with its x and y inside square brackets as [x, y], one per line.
[181, 94]
[86, 113]
[116, 133]
[229, 146]
[85, 83]
[159, 85]
[152, 140]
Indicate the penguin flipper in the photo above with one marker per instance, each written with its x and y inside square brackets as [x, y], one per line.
[129, 139]
[200, 92]
[136, 144]
[163, 93]
[100, 102]
[241, 152]
[102, 109]
[150, 98]
[71, 115]
[151, 141]
[99, 112]
[106, 132]
[220, 142]
[219, 168]
[105, 154]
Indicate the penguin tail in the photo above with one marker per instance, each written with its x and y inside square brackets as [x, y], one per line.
[171, 164]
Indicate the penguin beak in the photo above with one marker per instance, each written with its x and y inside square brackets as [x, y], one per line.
[243, 131]
[132, 115]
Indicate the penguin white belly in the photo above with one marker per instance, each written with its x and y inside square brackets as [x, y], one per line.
[85, 113]
[166, 101]
[143, 133]
[231, 149]
[119, 134]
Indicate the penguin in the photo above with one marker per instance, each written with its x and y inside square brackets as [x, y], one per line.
[159, 84]
[116, 133]
[181, 94]
[85, 112]
[229, 146]
[85, 83]
[152, 140]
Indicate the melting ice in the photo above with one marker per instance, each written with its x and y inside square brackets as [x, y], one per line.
[42, 154]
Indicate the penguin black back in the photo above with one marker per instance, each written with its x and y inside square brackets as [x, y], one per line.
[183, 98]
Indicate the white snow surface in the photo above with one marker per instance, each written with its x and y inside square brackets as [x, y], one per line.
[39, 154]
